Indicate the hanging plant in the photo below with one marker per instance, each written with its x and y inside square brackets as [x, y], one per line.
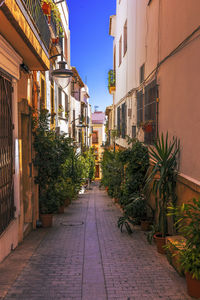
[46, 7]
[49, 6]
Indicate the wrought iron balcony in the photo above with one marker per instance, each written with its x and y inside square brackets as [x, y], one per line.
[36, 13]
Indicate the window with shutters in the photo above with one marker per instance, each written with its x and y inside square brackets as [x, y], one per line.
[123, 132]
[150, 112]
[73, 125]
[119, 120]
[147, 110]
[142, 73]
[66, 47]
[139, 97]
[95, 138]
[42, 92]
[133, 132]
[66, 107]
[120, 51]
[52, 106]
[60, 107]
[125, 37]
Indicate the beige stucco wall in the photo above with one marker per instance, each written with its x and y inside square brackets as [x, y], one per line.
[178, 80]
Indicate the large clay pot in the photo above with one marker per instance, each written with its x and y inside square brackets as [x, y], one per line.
[67, 202]
[145, 225]
[61, 209]
[160, 242]
[193, 286]
[47, 220]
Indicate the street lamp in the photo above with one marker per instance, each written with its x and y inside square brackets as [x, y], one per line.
[61, 76]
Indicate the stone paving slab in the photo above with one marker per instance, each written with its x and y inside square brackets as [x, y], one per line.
[86, 257]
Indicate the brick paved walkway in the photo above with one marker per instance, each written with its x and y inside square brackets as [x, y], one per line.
[85, 257]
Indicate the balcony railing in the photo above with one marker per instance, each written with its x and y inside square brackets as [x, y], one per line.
[36, 13]
[111, 79]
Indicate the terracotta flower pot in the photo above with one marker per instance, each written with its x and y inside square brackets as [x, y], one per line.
[46, 9]
[193, 286]
[47, 220]
[160, 242]
[61, 209]
[145, 225]
[55, 41]
[67, 202]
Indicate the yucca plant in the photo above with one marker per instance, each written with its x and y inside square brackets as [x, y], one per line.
[163, 176]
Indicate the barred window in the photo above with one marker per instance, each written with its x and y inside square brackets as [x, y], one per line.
[124, 120]
[118, 120]
[133, 132]
[142, 73]
[139, 97]
[150, 112]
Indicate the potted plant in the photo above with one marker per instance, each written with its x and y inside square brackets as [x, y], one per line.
[48, 203]
[162, 178]
[55, 40]
[188, 224]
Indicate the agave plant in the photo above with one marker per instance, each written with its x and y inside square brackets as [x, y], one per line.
[163, 175]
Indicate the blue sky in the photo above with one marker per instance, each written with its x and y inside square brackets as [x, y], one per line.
[91, 46]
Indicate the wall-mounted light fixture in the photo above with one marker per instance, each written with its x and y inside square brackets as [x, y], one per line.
[61, 76]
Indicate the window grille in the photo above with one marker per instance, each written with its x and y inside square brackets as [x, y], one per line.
[123, 120]
[139, 97]
[52, 105]
[119, 120]
[73, 125]
[42, 94]
[133, 132]
[150, 111]
[66, 105]
[6, 154]
[60, 108]
[142, 73]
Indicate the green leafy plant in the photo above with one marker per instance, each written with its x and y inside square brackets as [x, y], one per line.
[188, 224]
[111, 78]
[162, 176]
[150, 234]
[51, 153]
[125, 221]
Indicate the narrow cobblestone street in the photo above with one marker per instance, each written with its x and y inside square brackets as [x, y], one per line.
[85, 256]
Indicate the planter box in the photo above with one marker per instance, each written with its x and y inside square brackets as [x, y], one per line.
[172, 252]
